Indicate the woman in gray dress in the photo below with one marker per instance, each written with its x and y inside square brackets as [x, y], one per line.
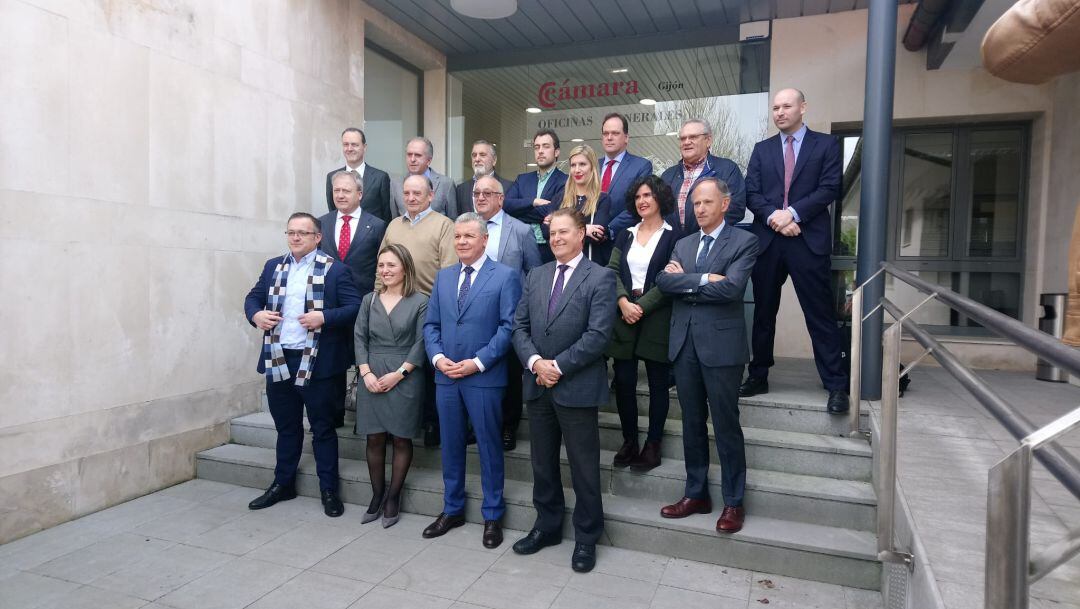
[389, 350]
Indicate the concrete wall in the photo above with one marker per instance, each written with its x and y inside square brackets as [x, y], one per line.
[825, 56]
[150, 154]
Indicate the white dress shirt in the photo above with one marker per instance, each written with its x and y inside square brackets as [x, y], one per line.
[571, 265]
[293, 335]
[639, 256]
[494, 230]
[701, 243]
[618, 158]
[359, 170]
[476, 266]
[354, 221]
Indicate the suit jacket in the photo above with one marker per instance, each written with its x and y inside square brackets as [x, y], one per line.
[341, 303]
[519, 199]
[631, 168]
[480, 329]
[714, 311]
[363, 247]
[376, 199]
[815, 184]
[517, 246]
[597, 250]
[648, 338]
[716, 167]
[574, 336]
[445, 201]
[464, 192]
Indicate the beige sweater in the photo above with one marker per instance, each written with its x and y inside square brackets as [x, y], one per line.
[431, 243]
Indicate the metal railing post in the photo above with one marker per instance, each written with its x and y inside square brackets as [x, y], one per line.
[890, 398]
[1008, 512]
[855, 358]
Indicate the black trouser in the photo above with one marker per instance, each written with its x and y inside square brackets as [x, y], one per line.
[706, 391]
[431, 414]
[340, 382]
[626, 375]
[511, 406]
[287, 404]
[549, 425]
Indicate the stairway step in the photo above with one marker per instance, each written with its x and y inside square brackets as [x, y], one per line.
[810, 551]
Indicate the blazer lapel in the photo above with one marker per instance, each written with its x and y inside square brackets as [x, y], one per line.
[362, 231]
[721, 243]
[478, 284]
[805, 150]
[575, 280]
[777, 155]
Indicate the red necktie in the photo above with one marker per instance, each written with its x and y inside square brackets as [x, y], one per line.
[345, 238]
[789, 166]
[605, 183]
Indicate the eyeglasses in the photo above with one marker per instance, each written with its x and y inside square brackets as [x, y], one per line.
[690, 138]
[303, 234]
[483, 194]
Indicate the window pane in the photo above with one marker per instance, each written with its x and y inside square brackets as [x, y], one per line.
[999, 291]
[391, 109]
[926, 194]
[933, 314]
[995, 193]
[843, 283]
[845, 238]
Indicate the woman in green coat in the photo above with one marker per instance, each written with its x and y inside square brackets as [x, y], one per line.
[641, 331]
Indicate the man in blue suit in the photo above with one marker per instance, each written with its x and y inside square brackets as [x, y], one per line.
[619, 169]
[538, 188]
[791, 180]
[306, 305]
[467, 335]
[695, 139]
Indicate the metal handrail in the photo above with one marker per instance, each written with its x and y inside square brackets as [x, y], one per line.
[1009, 568]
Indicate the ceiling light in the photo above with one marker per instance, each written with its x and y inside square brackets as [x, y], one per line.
[577, 139]
[647, 102]
[620, 70]
[485, 9]
[533, 110]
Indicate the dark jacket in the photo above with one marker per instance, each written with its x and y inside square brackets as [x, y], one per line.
[648, 338]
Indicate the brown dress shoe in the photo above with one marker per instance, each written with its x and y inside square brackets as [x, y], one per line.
[686, 507]
[626, 454]
[647, 459]
[493, 536]
[731, 520]
[443, 524]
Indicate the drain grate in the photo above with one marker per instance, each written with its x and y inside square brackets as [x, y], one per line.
[897, 580]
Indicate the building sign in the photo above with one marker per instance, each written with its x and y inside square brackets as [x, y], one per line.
[551, 93]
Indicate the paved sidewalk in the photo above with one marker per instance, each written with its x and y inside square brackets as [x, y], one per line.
[197, 546]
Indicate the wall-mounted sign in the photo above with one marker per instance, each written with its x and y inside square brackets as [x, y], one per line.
[551, 93]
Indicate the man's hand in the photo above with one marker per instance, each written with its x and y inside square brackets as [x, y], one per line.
[537, 202]
[714, 277]
[791, 230]
[547, 219]
[673, 267]
[631, 312]
[461, 369]
[546, 373]
[312, 320]
[780, 218]
[445, 365]
[266, 320]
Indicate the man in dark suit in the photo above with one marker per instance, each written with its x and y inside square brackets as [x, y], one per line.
[706, 279]
[695, 139]
[791, 180]
[418, 154]
[467, 336]
[484, 159]
[512, 243]
[353, 238]
[563, 324]
[376, 182]
[306, 305]
[619, 169]
[538, 188]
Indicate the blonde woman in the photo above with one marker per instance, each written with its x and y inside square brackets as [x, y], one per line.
[583, 194]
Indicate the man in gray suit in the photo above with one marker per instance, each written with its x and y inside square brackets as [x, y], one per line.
[484, 158]
[563, 324]
[706, 280]
[511, 242]
[418, 153]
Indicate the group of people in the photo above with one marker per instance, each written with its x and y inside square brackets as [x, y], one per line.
[459, 303]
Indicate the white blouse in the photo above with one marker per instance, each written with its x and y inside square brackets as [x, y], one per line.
[639, 256]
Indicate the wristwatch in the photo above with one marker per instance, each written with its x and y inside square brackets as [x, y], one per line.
[402, 371]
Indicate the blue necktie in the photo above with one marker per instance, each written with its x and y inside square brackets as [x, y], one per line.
[557, 292]
[463, 291]
[703, 255]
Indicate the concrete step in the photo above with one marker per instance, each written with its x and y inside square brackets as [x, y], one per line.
[810, 551]
[800, 498]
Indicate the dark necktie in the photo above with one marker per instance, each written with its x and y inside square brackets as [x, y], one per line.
[463, 291]
[557, 292]
[703, 255]
[605, 184]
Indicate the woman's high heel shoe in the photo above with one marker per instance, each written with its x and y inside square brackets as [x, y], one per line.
[372, 516]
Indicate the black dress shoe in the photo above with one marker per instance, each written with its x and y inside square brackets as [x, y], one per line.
[838, 401]
[535, 541]
[331, 504]
[443, 524]
[431, 436]
[275, 493]
[753, 386]
[493, 536]
[584, 557]
[509, 440]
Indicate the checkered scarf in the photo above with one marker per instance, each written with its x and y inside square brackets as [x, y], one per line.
[273, 354]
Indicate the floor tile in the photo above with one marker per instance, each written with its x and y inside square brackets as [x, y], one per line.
[232, 586]
[503, 591]
[863, 599]
[371, 558]
[710, 579]
[789, 592]
[186, 524]
[667, 597]
[89, 597]
[442, 571]
[30, 590]
[631, 591]
[311, 589]
[102, 558]
[243, 534]
[303, 546]
[573, 598]
[383, 597]
[164, 572]
[197, 490]
[630, 564]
